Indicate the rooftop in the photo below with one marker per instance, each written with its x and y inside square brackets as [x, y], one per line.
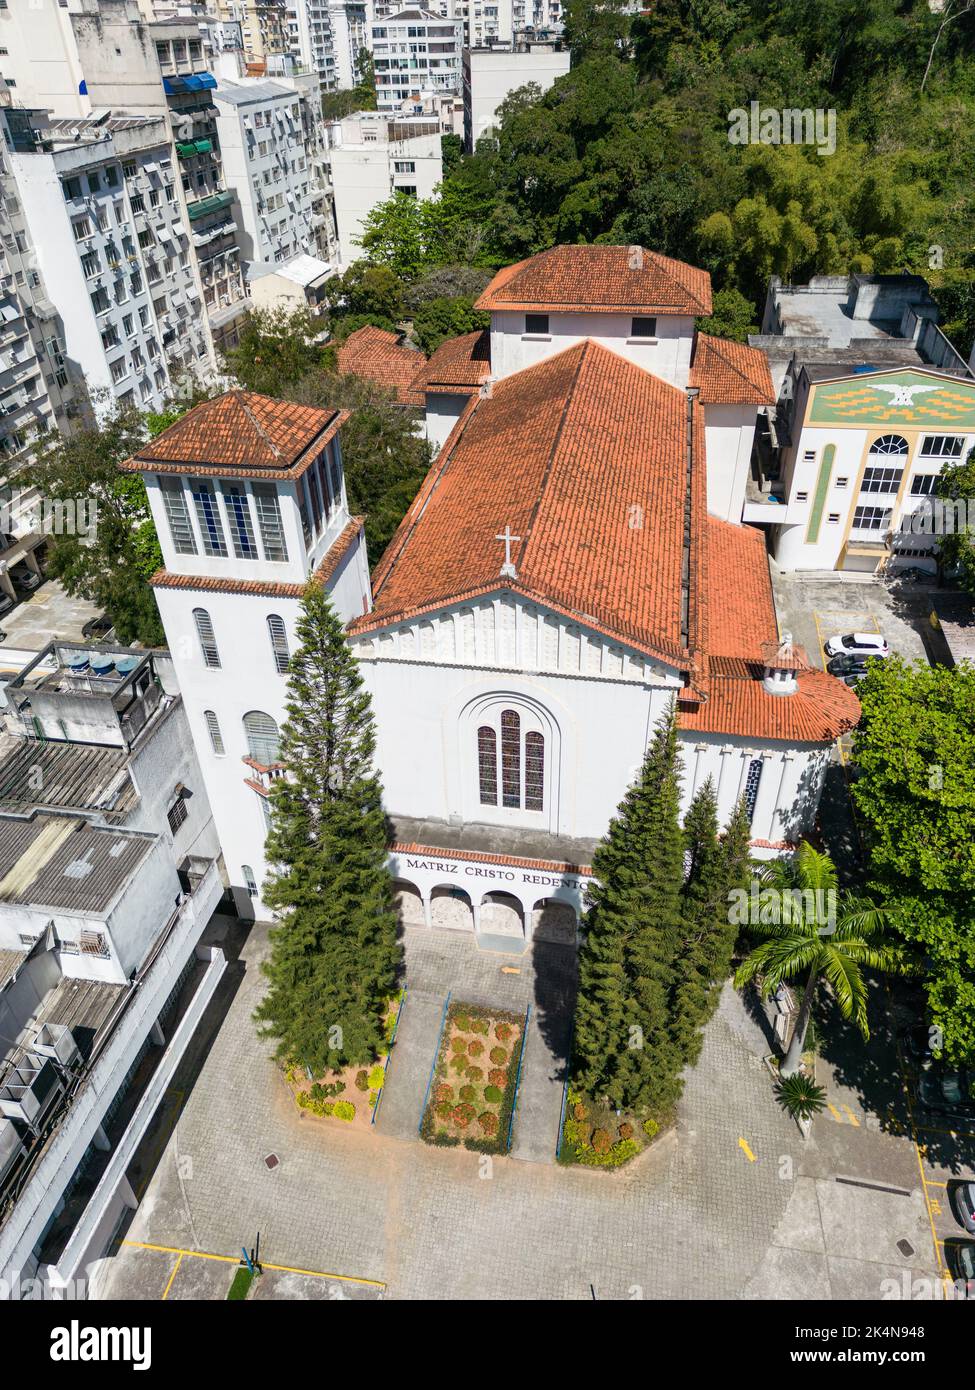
[63, 862]
[67, 776]
[382, 357]
[241, 434]
[301, 270]
[459, 364]
[729, 373]
[592, 279]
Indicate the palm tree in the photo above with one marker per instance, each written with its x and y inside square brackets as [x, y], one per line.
[816, 931]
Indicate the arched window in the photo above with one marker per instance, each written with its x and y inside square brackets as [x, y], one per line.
[752, 781]
[279, 642]
[262, 737]
[208, 643]
[250, 882]
[521, 784]
[213, 729]
[889, 444]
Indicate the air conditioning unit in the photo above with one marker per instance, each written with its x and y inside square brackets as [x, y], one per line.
[57, 1041]
[13, 1151]
[32, 1089]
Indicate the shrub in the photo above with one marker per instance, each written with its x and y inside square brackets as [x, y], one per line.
[601, 1141]
[458, 1045]
[467, 1093]
[475, 1048]
[498, 1077]
[619, 1153]
[488, 1122]
[579, 1110]
[376, 1077]
[799, 1096]
[463, 1114]
[577, 1132]
[444, 1110]
[362, 1080]
[650, 1128]
[479, 1025]
[462, 1022]
[443, 1093]
[344, 1110]
[498, 1056]
[492, 1094]
[474, 1074]
[626, 1131]
[502, 1031]
[459, 1063]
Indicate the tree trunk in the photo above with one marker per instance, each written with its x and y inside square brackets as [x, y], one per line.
[792, 1057]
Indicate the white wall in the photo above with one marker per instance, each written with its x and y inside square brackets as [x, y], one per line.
[364, 175]
[729, 432]
[668, 355]
[494, 75]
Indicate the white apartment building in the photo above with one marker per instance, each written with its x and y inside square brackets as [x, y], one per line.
[106, 215]
[109, 859]
[268, 146]
[263, 27]
[248, 498]
[349, 27]
[371, 157]
[416, 53]
[484, 21]
[492, 74]
[310, 39]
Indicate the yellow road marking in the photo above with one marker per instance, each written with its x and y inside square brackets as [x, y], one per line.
[835, 1113]
[919, 1152]
[179, 1261]
[853, 1118]
[746, 1150]
[235, 1260]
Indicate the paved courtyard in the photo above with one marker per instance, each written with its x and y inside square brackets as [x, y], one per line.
[731, 1204]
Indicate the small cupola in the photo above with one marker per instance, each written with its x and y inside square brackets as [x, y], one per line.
[782, 663]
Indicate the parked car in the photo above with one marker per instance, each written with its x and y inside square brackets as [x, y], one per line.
[917, 1043]
[964, 1204]
[948, 1092]
[25, 581]
[960, 1255]
[97, 629]
[6, 603]
[862, 644]
[847, 665]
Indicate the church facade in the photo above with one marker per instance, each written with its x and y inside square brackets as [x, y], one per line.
[567, 571]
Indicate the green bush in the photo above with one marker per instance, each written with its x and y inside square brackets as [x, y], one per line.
[444, 1110]
[498, 1056]
[480, 1025]
[467, 1093]
[458, 1045]
[344, 1110]
[492, 1094]
[462, 1022]
[474, 1074]
[577, 1132]
[377, 1077]
[650, 1128]
[362, 1080]
[620, 1153]
[601, 1142]
[475, 1048]
[459, 1063]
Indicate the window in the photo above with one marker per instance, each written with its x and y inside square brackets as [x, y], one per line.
[752, 781]
[923, 484]
[208, 643]
[942, 446]
[802, 496]
[269, 521]
[871, 518]
[91, 264]
[176, 814]
[178, 515]
[833, 518]
[261, 733]
[81, 228]
[72, 188]
[208, 517]
[522, 766]
[643, 328]
[213, 729]
[841, 483]
[881, 479]
[279, 643]
[93, 943]
[536, 323]
[239, 520]
[889, 444]
[250, 882]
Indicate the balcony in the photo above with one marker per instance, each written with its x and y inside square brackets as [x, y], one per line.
[265, 775]
[216, 202]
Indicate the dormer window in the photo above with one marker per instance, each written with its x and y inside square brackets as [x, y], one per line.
[536, 325]
[643, 328]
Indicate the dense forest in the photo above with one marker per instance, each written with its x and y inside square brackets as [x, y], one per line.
[632, 146]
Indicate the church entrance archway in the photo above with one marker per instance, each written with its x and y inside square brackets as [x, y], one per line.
[501, 914]
[409, 903]
[452, 908]
[554, 921]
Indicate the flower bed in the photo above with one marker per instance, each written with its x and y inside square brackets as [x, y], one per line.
[349, 1094]
[594, 1136]
[474, 1081]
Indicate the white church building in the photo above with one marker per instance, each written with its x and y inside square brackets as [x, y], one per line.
[565, 572]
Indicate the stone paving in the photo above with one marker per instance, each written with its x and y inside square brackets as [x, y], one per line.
[695, 1217]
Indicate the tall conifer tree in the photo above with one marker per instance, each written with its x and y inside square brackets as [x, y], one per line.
[334, 953]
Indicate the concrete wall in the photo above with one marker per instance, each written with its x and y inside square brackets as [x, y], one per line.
[667, 356]
[729, 432]
[490, 77]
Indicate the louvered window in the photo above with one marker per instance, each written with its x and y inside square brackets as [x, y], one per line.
[208, 643]
[279, 642]
[213, 729]
[261, 733]
[269, 521]
[178, 515]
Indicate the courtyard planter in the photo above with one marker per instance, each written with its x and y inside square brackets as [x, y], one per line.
[474, 1082]
[350, 1094]
[594, 1135]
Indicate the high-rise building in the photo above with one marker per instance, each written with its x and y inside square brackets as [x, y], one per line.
[416, 52]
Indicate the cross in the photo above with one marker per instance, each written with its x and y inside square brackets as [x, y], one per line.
[508, 570]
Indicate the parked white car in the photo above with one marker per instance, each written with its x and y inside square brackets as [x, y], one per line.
[862, 644]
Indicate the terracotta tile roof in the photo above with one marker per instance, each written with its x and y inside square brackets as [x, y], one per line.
[478, 857]
[205, 583]
[584, 456]
[728, 373]
[240, 433]
[459, 364]
[741, 625]
[382, 357]
[623, 279]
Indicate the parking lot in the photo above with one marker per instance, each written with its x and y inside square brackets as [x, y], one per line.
[814, 609]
